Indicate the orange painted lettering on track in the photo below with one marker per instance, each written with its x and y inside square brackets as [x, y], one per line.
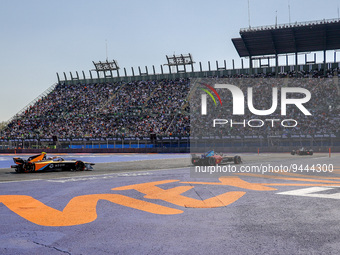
[79, 210]
[82, 209]
[235, 181]
[174, 195]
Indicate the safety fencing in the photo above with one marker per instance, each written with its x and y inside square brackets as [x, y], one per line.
[279, 143]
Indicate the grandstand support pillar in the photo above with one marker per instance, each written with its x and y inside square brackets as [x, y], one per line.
[200, 66]
[71, 77]
[324, 62]
[225, 65]
[242, 66]
[133, 72]
[154, 71]
[233, 61]
[117, 74]
[162, 70]
[192, 67]
[91, 76]
[250, 65]
[296, 63]
[276, 65]
[209, 66]
[216, 65]
[125, 72]
[65, 76]
[58, 78]
[140, 72]
[84, 75]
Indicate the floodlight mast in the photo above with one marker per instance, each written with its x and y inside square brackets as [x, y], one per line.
[107, 66]
[180, 60]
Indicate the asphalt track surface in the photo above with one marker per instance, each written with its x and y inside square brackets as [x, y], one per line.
[155, 207]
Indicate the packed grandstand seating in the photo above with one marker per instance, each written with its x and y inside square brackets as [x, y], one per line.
[324, 107]
[104, 110]
[137, 109]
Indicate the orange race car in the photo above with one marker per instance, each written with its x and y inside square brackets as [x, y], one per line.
[41, 163]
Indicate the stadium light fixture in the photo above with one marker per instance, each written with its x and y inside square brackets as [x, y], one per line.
[107, 66]
[180, 60]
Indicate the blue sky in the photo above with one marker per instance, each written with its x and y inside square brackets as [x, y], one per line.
[40, 38]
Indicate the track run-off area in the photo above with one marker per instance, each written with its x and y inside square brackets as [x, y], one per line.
[151, 204]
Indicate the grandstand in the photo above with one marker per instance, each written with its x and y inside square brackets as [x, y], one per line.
[150, 111]
[271, 41]
[318, 130]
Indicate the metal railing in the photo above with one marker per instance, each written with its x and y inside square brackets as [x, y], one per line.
[45, 93]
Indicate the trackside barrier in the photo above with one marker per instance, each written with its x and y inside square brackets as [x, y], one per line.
[325, 143]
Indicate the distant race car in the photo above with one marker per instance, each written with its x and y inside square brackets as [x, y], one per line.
[211, 159]
[41, 163]
[302, 151]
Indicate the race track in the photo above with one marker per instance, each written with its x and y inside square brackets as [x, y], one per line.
[152, 205]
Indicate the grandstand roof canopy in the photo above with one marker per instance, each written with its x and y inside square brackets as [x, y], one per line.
[289, 38]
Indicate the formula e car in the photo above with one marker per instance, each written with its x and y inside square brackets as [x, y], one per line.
[211, 159]
[41, 163]
[302, 151]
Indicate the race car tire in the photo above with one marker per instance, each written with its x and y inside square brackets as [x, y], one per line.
[19, 169]
[237, 159]
[212, 162]
[29, 167]
[293, 152]
[195, 161]
[79, 165]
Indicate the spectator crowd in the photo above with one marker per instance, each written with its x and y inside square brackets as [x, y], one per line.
[140, 108]
[104, 110]
[323, 106]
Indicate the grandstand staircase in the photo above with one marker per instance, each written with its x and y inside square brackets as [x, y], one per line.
[105, 104]
[148, 99]
[151, 95]
[190, 95]
[184, 106]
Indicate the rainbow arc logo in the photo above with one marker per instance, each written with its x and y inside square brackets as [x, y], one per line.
[204, 98]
